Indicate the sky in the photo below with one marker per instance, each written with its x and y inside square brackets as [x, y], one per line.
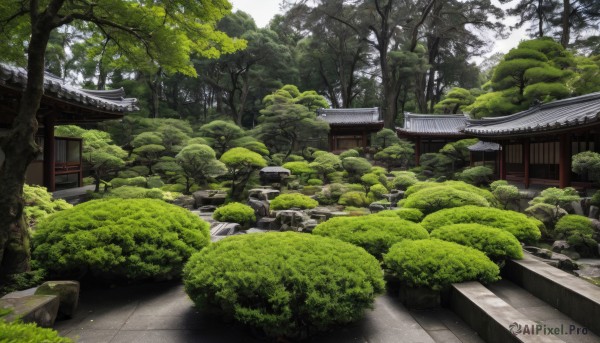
[263, 10]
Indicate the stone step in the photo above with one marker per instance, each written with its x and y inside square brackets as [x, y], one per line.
[578, 299]
[39, 309]
[542, 313]
[492, 318]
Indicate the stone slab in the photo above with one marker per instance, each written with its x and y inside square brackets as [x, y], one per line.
[39, 309]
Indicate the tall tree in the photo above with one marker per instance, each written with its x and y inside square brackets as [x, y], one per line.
[151, 33]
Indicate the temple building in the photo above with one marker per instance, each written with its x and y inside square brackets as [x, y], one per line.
[351, 127]
[60, 165]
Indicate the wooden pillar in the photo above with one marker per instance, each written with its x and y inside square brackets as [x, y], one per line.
[364, 139]
[49, 154]
[502, 158]
[526, 161]
[418, 150]
[471, 162]
[564, 161]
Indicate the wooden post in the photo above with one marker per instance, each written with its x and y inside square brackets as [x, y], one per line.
[49, 154]
[471, 163]
[526, 159]
[331, 142]
[364, 139]
[502, 154]
[418, 150]
[564, 161]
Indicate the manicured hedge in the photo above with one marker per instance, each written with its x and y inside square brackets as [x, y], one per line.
[458, 185]
[578, 231]
[235, 212]
[432, 199]
[115, 239]
[39, 204]
[435, 264]
[522, 227]
[285, 283]
[410, 214]
[376, 234]
[355, 199]
[17, 332]
[289, 200]
[497, 244]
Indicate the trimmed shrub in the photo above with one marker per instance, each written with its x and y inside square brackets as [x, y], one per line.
[497, 244]
[403, 180]
[410, 214]
[522, 227]
[235, 212]
[154, 182]
[458, 185]
[39, 204]
[433, 199]
[287, 284]
[132, 192]
[29, 332]
[138, 181]
[376, 234]
[349, 153]
[299, 168]
[595, 201]
[289, 200]
[356, 167]
[355, 199]
[578, 231]
[377, 191]
[478, 176]
[314, 182]
[113, 239]
[436, 264]
[497, 184]
[330, 194]
[507, 195]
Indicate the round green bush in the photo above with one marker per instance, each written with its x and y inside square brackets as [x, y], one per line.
[432, 199]
[39, 204]
[497, 244]
[138, 181]
[115, 239]
[458, 185]
[525, 229]
[436, 264]
[29, 333]
[285, 283]
[355, 199]
[289, 200]
[349, 153]
[378, 191]
[235, 212]
[133, 192]
[376, 234]
[404, 179]
[578, 231]
[410, 214]
[314, 182]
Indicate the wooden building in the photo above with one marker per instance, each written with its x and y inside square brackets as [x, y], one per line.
[351, 127]
[430, 132]
[537, 144]
[60, 165]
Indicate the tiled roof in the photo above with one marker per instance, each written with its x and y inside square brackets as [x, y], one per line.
[433, 124]
[109, 100]
[350, 116]
[553, 116]
[275, 170]
[484, 146]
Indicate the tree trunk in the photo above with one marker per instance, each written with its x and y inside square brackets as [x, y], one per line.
[20, 149]
[566, 29]
[540, 19]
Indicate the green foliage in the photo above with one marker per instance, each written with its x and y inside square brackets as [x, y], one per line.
[396, 155]
[557, 196]
[289, 200]
[221, 134]
[21, 281]
[154, 182]
[458, 152]
[587, 164]
[436, 163]
[235, 212]
[455, 101]
[198, 163]
[116, 240]
[477, 176]
[356, 167]
[497, 244]
[286, 284]
[349, 153]
[39, 204]
[241, 163]
[433, 199]
[325, 163]
[385, 138]
[29, 333]
[507, 195]
[377, 191]
[314, 182]
[497, 184]
[595, 201]
[523, 228]
[138, 181]
[458, 185]
[403, 180]
[437, 264]
[578, 231]
[376, 234]
[355, 199]
[330, 194]
[410, 214]
[298, 168]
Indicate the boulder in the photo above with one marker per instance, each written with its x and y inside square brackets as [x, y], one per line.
[207, 208]
[560, 245]
[67, 292]
[209, 197]
[594, 212]
[39, 309]
[567, 265]
[577, 208]
[185, 201]
[376, 207]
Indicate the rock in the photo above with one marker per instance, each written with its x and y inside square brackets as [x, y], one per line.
[261, 207]
[571, 254]
[543, 253]
[207, 208]
[567, 265]
[558, 246]
[376, 207]
[576, 205]
[266, 223]
[292, 220]
[39, 309]
[209, 197]
[185, 201]
[594, 212]
[67, 292]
